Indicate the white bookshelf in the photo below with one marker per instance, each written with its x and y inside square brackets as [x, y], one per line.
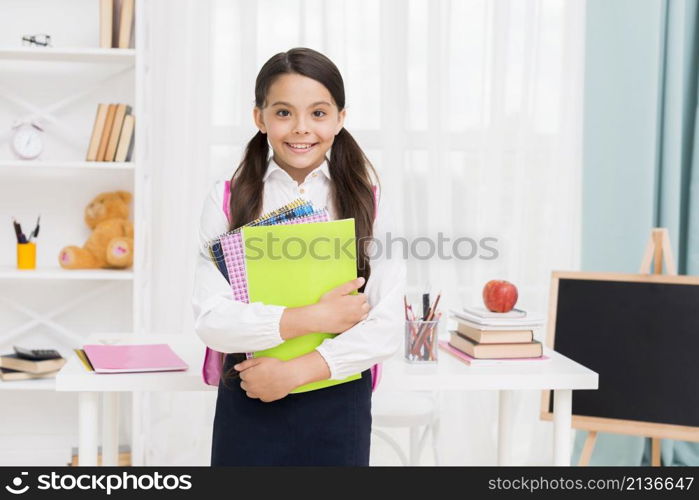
[58, 273]
[21, 176]
[19, 166]
[76, 76]
[86, 55]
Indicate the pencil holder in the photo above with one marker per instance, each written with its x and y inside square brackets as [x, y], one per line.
[26, 255]
[421, 341]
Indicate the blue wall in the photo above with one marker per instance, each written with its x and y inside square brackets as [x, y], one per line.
[621, 113]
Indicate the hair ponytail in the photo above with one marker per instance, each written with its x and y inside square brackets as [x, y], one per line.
[353, 193]
[246, 184]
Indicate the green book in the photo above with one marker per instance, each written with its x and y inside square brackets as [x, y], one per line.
[294, 265]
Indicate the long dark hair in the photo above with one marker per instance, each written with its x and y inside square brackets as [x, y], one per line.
[350, 170]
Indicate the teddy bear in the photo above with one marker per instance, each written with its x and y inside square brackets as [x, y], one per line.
[111, 243]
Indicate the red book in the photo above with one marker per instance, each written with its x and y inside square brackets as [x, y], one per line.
[469, 360]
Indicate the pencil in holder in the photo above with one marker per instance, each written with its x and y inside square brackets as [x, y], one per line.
[421, 341]
[26, 255]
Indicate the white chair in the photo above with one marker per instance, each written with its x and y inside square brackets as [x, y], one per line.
[414, 410]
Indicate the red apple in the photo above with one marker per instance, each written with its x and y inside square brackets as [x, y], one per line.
[499, 295]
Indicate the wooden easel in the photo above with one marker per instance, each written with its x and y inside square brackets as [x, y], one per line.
[657, 251]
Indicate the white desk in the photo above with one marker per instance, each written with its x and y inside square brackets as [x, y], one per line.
[560, 374]
[74, 378]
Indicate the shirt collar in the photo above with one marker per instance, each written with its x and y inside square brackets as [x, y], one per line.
[273, 167]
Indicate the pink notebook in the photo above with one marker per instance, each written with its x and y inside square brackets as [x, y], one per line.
[133, 358]
[446, 346]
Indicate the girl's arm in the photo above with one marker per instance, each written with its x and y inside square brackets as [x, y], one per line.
[335, 312]
[227, 325]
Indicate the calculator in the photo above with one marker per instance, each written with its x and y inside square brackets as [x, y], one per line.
[36, 354]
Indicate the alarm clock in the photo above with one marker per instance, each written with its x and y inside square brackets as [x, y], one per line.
[26, 142]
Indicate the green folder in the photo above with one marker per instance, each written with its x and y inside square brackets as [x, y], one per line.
[294, 265]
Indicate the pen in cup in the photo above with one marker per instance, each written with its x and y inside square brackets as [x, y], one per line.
[35, 233]
[18, 232]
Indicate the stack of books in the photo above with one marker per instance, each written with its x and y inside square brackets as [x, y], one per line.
[483, 337]
[112, 134]
[15, 367]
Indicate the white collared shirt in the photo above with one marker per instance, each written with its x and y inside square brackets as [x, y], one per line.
[226, 325]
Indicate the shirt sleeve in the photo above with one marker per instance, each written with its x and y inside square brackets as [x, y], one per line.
[222, 323]
[380, 335]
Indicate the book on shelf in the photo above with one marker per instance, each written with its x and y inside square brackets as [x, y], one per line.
[112, 134]
[125, 27]
[14, 362]
[7, 375]
[124, 150]
[485, 336]
[106, 18]
[104, 140]
[97, 130]
[531, 349]
[485, 313]
[121, 111]
[471, 361]
[116, 23]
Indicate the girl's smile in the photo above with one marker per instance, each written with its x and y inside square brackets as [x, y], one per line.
[301, 148]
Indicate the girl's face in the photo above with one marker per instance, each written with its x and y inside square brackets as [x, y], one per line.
[301, 121]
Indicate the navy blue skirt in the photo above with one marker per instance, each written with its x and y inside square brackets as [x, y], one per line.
[330, 426]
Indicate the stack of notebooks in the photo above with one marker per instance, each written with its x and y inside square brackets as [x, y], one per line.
[289, 257]
[18, 367]
[112, 134]
[483, 337]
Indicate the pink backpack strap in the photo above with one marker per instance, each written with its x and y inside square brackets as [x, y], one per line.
[227, 200]
[212, 368]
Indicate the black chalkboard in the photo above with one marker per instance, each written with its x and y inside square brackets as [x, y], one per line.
[642, 338]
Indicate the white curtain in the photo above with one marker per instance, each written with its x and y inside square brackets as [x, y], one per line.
[176, 427]
[471, 110]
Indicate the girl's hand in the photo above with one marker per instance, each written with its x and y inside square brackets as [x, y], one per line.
[339, 311]
[266, 379]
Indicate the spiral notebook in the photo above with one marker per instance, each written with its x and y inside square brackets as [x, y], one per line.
[232, 253]
[227, 250]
